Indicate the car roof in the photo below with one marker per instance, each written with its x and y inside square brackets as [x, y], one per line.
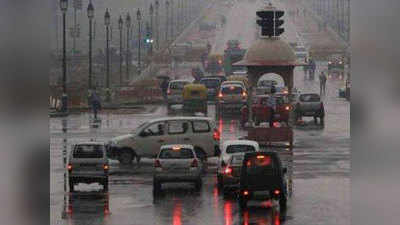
[91, 143]
[199, 118]
[174, 145]
[240, 142]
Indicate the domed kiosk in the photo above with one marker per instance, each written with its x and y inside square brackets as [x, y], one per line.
[270, 55]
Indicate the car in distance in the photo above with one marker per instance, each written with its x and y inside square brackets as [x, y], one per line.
[146, 140]
[262, 177]
[231, 97]
[174, 92]
[310, 104]
[229, 149]
[176, 163]
[88, 163]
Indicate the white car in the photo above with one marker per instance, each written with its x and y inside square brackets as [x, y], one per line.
[176, 163]
[146, 140]
[231, 148]
[88, 163]
[231, 97]
[174, 92]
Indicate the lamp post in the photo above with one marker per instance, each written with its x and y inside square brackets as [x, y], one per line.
[166, 21]
[107, 24]
[120, 26]
[64, 100]
[90, 14]
[139, 18]
[151, 27]
[128, 26]
[157, 5]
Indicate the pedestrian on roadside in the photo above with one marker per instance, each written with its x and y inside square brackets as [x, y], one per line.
[322, 83]
[164, 87]
[312, 69]
[305, 68]
[271, 103]
[95, 103]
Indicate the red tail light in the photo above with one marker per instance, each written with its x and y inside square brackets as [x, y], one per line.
[69, 167]
[220, 95]
[195, 163]
[168, 92]
[216, 135]
[157, 163]
[277, 192]
[228, 170]
[287, 108]
[246, 192]
[106, 167]
[244, 94]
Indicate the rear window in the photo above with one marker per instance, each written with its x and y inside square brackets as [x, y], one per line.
[210, 83]
[88, 151]
[231, 90]
[181, 153]
[177, 85]
[200, 127]
[259, 164]
[310, 98]
[237, 159]
[240, 148]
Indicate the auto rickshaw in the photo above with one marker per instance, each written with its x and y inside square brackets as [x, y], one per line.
[195, 98]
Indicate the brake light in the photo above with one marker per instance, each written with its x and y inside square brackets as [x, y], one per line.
[228, 170]
[168, 92]
[276, 124]
[260, 157]
[244, 94]
[246, 192]
[157, 163]
[69, 167]
[287, 108]
[248, 163]
[106, 167]
[220, 95]
[216, 135]
[195, 163]
[277, 192]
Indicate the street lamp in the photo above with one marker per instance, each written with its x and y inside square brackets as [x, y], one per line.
[128, 26]
[151, 27]
[90, 14]
[139, 18]
[120, 26]
[107, 24]
[157, 4]
[64, 99]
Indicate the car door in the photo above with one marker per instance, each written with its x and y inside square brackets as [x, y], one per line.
[201, 135]
[151, 138]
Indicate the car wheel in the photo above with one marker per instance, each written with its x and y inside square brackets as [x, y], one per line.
[156, 187]
[126, 157]
[242, 203]
[105, 184]
[198, 184]
[71, 184]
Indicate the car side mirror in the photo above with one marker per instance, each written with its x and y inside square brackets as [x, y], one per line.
[284, 170]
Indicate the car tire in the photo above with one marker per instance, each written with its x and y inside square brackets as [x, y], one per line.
[242, 203]
[156, 187]
[198, 184]
[71, 183]
[104, 182]
[126, 157]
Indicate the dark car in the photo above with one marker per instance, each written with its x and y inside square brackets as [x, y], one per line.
[262, 178]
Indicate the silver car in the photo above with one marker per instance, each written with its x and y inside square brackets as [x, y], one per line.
[88, 163]
[176, 163]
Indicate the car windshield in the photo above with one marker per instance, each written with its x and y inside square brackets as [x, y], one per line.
[140, 127]
[178, 85]
[210, 83]
[229, 90]
[178, 153]
[88, 151]
[309, 98]
[239, 148]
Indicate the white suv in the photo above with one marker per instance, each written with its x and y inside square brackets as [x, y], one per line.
[147, 139]
[88, 163]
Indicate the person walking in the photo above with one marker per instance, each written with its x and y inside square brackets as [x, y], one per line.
[305, 68]
[322, 83]
[271, 103]
[312, 69]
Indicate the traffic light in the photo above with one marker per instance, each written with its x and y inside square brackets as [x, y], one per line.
[270, 22]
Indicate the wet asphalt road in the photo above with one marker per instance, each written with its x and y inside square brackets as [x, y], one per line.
[321, 166]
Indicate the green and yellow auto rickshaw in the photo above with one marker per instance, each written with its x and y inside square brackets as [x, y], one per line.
[195, 98]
